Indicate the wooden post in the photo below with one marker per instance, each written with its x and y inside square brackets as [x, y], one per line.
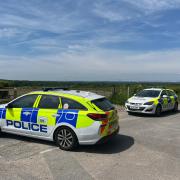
[15, 92]
[128, 91]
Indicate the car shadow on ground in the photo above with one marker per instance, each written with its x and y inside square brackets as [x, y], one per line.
[26, 139]
[164, 114]
[117, 144]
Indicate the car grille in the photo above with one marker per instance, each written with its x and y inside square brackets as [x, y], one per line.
[137, 104]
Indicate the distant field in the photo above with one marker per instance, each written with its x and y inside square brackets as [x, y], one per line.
[117, 92]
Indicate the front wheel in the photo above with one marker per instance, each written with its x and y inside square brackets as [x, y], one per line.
[158, 111]
[66, 139]
[175, 107]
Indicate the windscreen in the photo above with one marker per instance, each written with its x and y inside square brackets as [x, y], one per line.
[148, 93]
[103, 104]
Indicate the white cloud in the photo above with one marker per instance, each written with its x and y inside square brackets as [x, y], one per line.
[150, 6]
[116, 11]
[9, 32]
[124, 10]
[99, 65]
[77, 43]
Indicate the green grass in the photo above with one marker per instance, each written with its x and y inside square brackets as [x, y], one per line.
[117, 92]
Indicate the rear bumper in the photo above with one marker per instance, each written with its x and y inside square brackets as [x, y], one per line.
[107, 138]
[96, 138]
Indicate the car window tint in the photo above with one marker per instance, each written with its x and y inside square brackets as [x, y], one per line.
[148, 93]
[71, 104]
[171, 93]
[24, 102]
[163, 93]
[103, 104]
[49, 102]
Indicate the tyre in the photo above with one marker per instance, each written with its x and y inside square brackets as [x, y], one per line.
[65, 138]
[158, 111]
[175, 107]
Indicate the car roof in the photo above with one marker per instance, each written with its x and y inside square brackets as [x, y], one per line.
[71, 94]
[158, 89]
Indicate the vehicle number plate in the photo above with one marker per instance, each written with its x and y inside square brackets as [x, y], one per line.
[134, 107]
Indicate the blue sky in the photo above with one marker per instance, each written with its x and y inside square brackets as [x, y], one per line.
[90, 40]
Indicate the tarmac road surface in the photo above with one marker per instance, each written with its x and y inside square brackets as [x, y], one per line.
[146, 148]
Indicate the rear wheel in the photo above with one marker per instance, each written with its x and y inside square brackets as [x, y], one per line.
[158, 111]
[66, 139]
[175, 107]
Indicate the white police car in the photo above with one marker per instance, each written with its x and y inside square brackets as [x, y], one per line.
[152, 101]
[68, 117]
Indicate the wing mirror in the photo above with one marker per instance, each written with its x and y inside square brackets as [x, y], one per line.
[164, 96]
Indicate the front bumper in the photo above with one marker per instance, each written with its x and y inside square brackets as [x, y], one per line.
[145, 109]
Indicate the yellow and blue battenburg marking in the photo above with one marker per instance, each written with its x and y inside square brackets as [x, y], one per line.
[2, 113]
[67, 116]
[29, 115]
[28, 119]
[175, 98]
[160, 101]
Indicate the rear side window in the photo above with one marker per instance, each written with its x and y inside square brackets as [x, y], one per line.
[24, 102]
[71, 104]
[49, 102]
[171, 93]
[103, 104]
[163, 93]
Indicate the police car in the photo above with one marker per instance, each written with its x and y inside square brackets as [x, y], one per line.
[152, 101]
[68, 117]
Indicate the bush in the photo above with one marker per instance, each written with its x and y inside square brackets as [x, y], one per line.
[118, 98]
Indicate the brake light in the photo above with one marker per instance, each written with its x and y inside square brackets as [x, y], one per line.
[97, 117]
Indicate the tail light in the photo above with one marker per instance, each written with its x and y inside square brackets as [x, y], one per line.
[97, 117]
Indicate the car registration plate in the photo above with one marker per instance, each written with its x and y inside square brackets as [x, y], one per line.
[134, 107]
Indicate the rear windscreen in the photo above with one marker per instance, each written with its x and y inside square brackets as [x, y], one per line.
[103, 104]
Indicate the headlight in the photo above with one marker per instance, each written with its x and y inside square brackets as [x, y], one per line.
[149, 103]
[127, 101]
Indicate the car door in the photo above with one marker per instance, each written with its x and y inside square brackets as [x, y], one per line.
[19, 114]
[164, 100]
[47, 113]
[171, 99]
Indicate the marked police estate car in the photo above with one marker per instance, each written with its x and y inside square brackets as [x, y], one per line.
[152, 101]
[68, 117]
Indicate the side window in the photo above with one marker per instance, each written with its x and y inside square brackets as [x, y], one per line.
[171, 93]
[49, 102]
[163, 93]
[168, 93]
[24, 102]
[71, 104]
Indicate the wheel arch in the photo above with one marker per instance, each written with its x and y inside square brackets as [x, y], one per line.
[66, 126]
